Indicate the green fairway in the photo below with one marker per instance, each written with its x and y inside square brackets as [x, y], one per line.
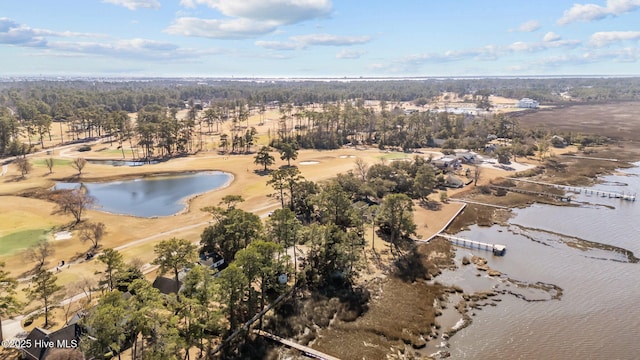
[395, 156]
[116, 152]
[56, 162]
[21, 240]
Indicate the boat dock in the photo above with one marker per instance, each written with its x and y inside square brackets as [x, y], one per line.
[560, 197]
[304, 349]
[497, 249]
[579, 190]
[480, 203]
[589, 157]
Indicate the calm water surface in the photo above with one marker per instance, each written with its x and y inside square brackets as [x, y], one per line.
[598, 316]
[154, 196]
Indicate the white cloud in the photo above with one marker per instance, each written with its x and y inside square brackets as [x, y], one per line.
[304, 41]
[142, 49]
[485, 53]
[551, 36]
[330, 40]
[590, 12]
[529, 26]
[605, 38]
[281, 11]
[135, 4]
[46, 41]
[624, 55]
[278, 45]
[248, 18]
[537, 46]
[349, 54]
[14, 33]
[549, 41]
[488, 52]
[220, 29]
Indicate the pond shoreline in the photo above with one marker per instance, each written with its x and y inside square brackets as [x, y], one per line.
[139, 196]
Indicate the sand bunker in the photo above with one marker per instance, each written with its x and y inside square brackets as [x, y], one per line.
[309, 162]
[62, 235]
[347, 156]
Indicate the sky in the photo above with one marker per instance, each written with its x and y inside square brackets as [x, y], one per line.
[319, 38]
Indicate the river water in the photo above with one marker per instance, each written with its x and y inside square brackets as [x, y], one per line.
[598, 314]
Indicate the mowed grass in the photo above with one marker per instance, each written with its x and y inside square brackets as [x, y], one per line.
[21, 240]
[56, 162]
[116, 151]
[395, 156]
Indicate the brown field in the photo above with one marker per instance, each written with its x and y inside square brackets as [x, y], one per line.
[618, 121]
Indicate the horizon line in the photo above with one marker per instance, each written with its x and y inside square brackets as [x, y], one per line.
[305, 78]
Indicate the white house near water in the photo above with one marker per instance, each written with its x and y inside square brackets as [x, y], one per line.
[528, 103]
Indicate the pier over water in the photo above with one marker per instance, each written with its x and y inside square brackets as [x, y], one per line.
[580, 190]
[497, 249]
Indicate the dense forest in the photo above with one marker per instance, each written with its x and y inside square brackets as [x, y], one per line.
[313, 114]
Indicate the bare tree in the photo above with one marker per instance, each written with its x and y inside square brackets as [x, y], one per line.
[75, 202]
[87, 285]
[39, 253]
[477, 173]
[79, 164]
[92, 232]
[68, 307]
[361, 168]
[23, 165]
[49, 162]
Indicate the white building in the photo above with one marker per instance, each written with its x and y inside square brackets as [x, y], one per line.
[528, 103]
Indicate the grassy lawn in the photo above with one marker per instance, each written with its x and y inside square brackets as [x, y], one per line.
[395, 156]
[56, 162]
[21, 240]
[116, 151]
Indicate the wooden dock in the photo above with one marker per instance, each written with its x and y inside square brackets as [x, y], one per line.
[589, 157]
[480, 203]
[560, 197]
[304, 349]
[497, 249]
[586, 191]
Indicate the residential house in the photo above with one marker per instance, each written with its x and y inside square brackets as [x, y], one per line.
[213, 261]
[44, 343]
[453, 181]
[467, 157]
[167, 285]
[447, 163]
[527, 103]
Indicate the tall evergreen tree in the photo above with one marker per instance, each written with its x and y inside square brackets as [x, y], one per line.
[264, 158]
[173, 255]
[44, 289]
[8, 300]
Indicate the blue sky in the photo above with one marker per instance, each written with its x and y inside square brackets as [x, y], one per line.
[318, 38]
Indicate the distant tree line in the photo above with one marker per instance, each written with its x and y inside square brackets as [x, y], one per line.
[339, 115]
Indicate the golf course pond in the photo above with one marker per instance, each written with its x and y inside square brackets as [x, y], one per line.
[152, 196]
